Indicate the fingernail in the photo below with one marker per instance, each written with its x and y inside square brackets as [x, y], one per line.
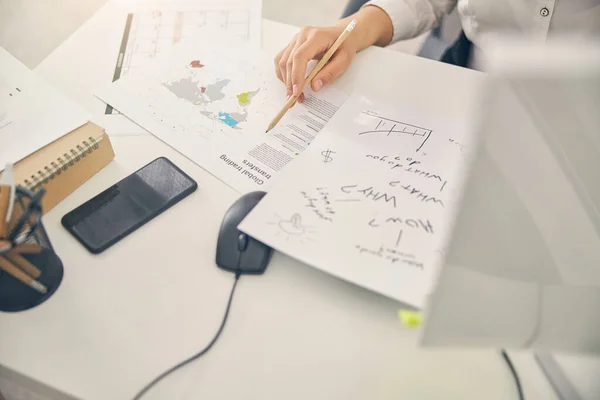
[318, 85]
[296, 90]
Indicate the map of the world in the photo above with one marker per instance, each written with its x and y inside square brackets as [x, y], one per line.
[215, 98]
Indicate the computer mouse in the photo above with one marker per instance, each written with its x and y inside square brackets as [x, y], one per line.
[236, 251]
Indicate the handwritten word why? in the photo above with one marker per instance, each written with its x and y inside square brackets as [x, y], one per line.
[412, 223]
[371, 193]
[392, 255]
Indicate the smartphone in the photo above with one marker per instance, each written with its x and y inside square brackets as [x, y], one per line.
[121, 209]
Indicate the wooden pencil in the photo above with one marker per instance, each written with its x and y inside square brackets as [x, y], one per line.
[24, 264]
[18, 274]
[4, 205]
[28, 248]
[313, 73]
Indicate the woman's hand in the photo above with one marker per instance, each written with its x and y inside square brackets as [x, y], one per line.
[373, 26]
[312, 44]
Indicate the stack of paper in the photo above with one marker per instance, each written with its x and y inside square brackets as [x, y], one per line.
[32, 113]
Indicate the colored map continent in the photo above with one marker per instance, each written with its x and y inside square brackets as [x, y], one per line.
[246, 97]
[227, 119]
[190, 90]
[232, 119]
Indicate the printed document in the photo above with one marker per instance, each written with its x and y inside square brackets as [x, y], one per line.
[213, 102]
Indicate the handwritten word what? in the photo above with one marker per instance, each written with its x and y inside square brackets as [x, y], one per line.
[374, 194]
[395, 162]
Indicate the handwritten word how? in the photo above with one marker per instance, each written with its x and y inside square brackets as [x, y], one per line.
[413, 223]
[392, 255]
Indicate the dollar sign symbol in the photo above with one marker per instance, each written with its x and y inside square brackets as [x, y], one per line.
[327, 156]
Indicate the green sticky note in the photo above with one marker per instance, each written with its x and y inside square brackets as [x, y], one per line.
[409, 318]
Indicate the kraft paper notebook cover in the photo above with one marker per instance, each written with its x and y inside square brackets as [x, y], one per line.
[65, 164]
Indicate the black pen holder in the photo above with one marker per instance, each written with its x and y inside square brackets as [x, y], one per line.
[27, 231]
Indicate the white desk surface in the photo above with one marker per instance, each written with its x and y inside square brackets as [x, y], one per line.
[157, 297]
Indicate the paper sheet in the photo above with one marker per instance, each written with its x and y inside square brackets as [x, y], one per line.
[522, 268]
[124, 36]
[371, 201]
[32, 113]
[149, 33]
[214, 106]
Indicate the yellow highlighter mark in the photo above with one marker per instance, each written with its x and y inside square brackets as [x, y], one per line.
[411, 319]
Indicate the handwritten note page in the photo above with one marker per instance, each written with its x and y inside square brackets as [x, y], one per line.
[370, 201]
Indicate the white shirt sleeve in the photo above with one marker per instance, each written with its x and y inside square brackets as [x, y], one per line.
[411, 18]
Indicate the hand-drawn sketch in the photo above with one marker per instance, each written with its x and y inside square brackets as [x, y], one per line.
[387, 127]
[293, 227]
[327, 156]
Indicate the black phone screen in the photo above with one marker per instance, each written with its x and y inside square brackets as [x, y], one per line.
[121, 209]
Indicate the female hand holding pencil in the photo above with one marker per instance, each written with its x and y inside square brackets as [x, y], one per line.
[373, 26]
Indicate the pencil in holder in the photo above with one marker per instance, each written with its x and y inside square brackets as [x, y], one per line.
[30, 270]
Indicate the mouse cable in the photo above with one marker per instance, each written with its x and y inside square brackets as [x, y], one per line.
[514, 373]
[197, 355]
[218, 334]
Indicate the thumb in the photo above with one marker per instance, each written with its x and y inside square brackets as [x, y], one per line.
[335, 67]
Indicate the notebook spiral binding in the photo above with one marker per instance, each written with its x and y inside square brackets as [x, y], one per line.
[68, 159]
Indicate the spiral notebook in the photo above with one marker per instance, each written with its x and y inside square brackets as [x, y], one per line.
[65, 164]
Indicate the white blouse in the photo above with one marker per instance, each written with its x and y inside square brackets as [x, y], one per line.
[484, 19]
